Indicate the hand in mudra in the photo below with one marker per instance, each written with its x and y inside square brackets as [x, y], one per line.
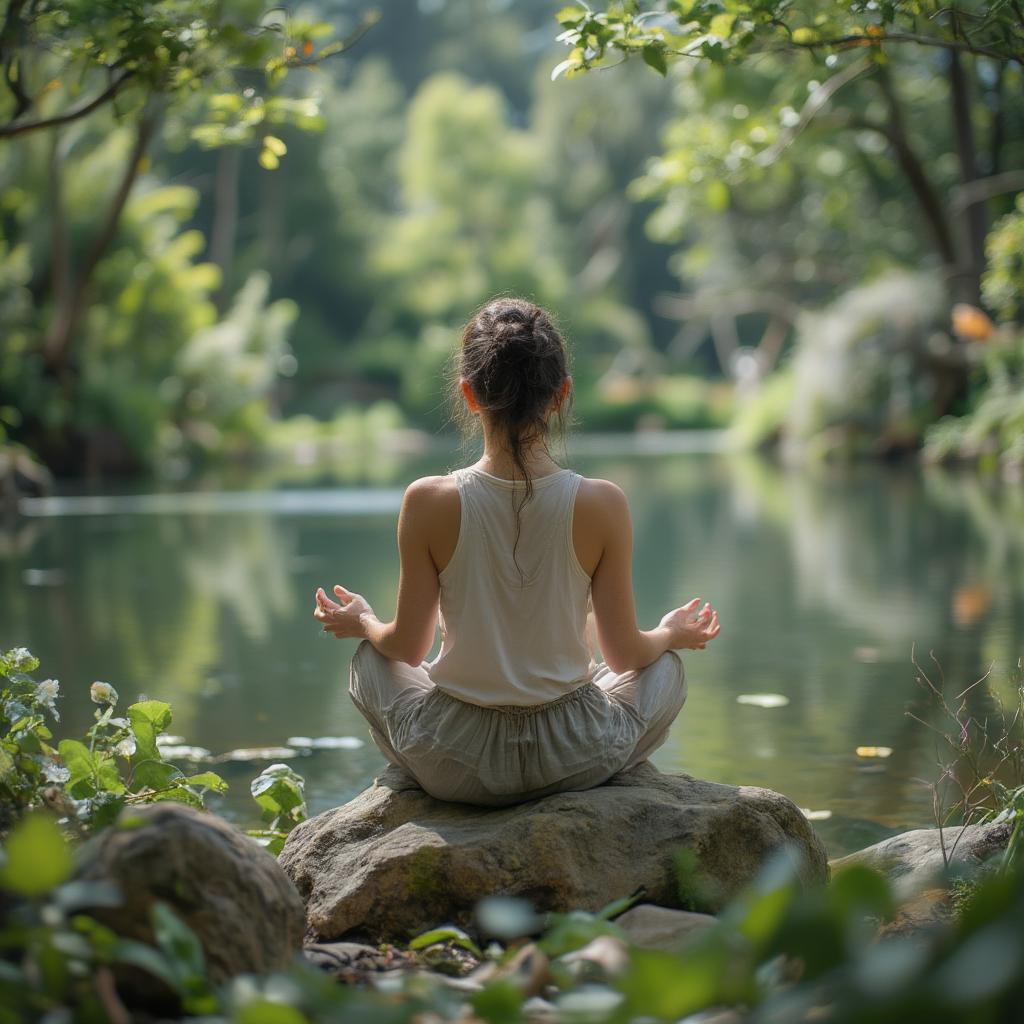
[343, 620]
[690, 628]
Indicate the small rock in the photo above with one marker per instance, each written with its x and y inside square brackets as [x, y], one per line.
[913, 860]
[606, 952]
[351, 962]
[651, 927]
[925, 910]
[220, 882]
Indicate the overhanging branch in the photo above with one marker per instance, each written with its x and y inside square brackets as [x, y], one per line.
[15, 128]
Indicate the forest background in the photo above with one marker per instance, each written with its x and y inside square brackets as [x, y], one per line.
[229, 229]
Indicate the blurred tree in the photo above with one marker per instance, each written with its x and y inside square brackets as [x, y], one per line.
[207, 68]
[974, 47]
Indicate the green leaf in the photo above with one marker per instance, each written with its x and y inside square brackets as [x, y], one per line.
[805, 35]
[91, 771]
[38, 858]
[716, 194]
[275, 145]
[448, 933]
[263, 1011]
[151, 960]
[570, 15]
[500, 1003]
[182, 794]
[572, 931]
[721, 25]
[177, 942]
[562, 67]
[208, 780]
[620, 906]
[654, 57]
[149, 718]
[77, 759]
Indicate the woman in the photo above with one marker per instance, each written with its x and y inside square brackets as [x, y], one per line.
[512, 554]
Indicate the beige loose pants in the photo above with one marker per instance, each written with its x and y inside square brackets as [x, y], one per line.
[494, 756]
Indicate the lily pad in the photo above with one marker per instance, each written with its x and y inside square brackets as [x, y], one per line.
[258, 754]
[763, 700]
[325, 742]
[183, 752]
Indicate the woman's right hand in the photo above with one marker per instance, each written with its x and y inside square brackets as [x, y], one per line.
[345, 619]
[691, 627]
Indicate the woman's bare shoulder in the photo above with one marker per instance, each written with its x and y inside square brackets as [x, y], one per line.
[433, 492]
[603, 498]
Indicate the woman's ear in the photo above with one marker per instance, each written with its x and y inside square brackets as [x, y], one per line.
[563, 392]
[467, 393]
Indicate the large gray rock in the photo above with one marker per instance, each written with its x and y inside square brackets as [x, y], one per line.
[229, 890]
[395, 861]
[913, 861]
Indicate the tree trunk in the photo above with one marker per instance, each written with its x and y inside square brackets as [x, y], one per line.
[975, 220]
[913, 170]
[71, 306]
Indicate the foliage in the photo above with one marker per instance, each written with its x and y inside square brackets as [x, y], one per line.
[1003, 283]
[225, 371]
[88, 783]
[64, 61]
[778, 952]
[280, 793]
[797, 167]
[732, 31]
[669, 401]
[992, 430]
[980, 757]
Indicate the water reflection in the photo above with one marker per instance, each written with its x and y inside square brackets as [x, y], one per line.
[824, 582]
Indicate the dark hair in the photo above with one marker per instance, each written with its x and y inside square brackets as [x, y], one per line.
[515, 361]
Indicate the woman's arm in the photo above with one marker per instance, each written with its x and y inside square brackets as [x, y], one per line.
[624, 645]
[410, 635]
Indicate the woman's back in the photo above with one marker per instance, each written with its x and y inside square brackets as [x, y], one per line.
[513, 612]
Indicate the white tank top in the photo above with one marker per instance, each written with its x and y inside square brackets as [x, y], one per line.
[507, 639]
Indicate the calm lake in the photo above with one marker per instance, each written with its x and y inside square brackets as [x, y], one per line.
[825, 580]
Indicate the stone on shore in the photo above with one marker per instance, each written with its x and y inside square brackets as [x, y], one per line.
[228, 889]
[652, 927]
[913, 861]
[395, 861]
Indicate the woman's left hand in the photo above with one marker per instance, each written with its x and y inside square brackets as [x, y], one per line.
[343, 620]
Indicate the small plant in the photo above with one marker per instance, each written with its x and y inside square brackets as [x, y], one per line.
[980, 756]
[87, 783]
[280, 792]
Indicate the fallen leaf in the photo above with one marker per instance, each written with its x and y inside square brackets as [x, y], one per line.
[970, 603]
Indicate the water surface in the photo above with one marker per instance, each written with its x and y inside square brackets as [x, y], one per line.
[825, 582]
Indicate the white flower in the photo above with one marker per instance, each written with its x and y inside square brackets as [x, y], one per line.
[19, 658]
[47, 693]
[126, 747]
[102, 693]
[56, 773]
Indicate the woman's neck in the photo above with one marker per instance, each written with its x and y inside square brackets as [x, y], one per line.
[498, 461]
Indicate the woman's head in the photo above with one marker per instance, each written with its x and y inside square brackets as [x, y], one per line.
[513, 367]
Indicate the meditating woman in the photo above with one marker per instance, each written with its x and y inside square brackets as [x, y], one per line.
[512, 554]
